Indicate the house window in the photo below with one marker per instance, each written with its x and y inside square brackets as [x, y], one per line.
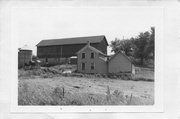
[83, 66]
[92, 55]
[83, 55]
[46, 59]
[92, 66]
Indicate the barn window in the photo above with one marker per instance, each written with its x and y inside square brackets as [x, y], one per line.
[83, 66]
[92, 66]
[83, 55]
[92, 55]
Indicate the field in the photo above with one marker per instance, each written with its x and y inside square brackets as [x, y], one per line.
[50, 86]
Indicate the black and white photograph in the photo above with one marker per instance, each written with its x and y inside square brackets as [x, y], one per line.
[85, 56]
[76, 59]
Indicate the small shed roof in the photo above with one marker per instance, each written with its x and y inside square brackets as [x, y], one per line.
[119, 52]
[76, 40]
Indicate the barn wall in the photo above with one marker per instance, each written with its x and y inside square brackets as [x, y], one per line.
[65, 50]
[119, 64]
[47, 51]
[53, 61]
[102, 46]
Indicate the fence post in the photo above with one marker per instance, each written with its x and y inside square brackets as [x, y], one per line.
[130, 98]
[63, 92]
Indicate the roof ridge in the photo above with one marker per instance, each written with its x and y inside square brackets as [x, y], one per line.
[75, 37]
[122, 54]
[73, 40]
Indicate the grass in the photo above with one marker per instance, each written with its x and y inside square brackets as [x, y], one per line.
[49, 86]
[142, 74]
[29, 96]
[64, 91]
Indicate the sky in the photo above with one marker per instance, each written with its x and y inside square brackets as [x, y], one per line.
[31, 25]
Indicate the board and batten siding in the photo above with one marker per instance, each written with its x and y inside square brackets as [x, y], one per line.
[119, 64]
[64, 50]
[24, 56]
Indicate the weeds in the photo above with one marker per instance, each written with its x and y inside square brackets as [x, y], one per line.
[59, 96]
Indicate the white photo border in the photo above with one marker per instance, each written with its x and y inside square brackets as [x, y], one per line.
[158, 84]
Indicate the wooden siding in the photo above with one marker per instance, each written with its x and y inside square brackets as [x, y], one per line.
[24, 56]
[119, 64]
[64, 50]
[102, 46]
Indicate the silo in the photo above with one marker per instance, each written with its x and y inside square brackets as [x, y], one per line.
[24, 56]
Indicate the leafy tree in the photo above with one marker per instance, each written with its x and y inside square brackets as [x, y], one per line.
[141, 46]
[122, 45]
[151, 42]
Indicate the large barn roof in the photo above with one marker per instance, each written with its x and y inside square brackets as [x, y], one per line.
[76, 40]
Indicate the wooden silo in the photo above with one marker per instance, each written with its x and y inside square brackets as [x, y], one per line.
[24, 56]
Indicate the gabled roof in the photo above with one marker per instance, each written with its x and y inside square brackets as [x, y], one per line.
[119, 52]
[92, 48]
[76, 40]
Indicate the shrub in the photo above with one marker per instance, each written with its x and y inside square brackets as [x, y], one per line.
[59, 92]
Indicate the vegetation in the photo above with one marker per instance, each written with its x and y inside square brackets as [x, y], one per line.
[140, 48]
[50, 86]
[41, 95]
[142, 74]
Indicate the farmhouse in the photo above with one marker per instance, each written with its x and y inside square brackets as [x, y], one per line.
[91, 60]
[55, 50]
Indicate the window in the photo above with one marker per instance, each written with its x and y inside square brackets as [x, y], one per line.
[92, 55]
[83, 66]
[92, 66]
[46, 59]
[83, 55]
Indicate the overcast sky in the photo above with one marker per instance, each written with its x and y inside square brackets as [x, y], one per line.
[31, 25]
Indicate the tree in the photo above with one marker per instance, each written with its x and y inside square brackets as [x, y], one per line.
[141, 46]
[121, 45]
[151, 42]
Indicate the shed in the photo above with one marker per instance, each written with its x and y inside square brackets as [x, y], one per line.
[120, 63]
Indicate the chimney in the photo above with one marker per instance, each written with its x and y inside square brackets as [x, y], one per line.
[88, 43]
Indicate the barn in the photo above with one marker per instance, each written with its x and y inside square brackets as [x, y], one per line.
[56, 51]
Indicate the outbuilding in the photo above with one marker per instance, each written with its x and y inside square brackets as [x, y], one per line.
[120, 63]
[24, 56]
